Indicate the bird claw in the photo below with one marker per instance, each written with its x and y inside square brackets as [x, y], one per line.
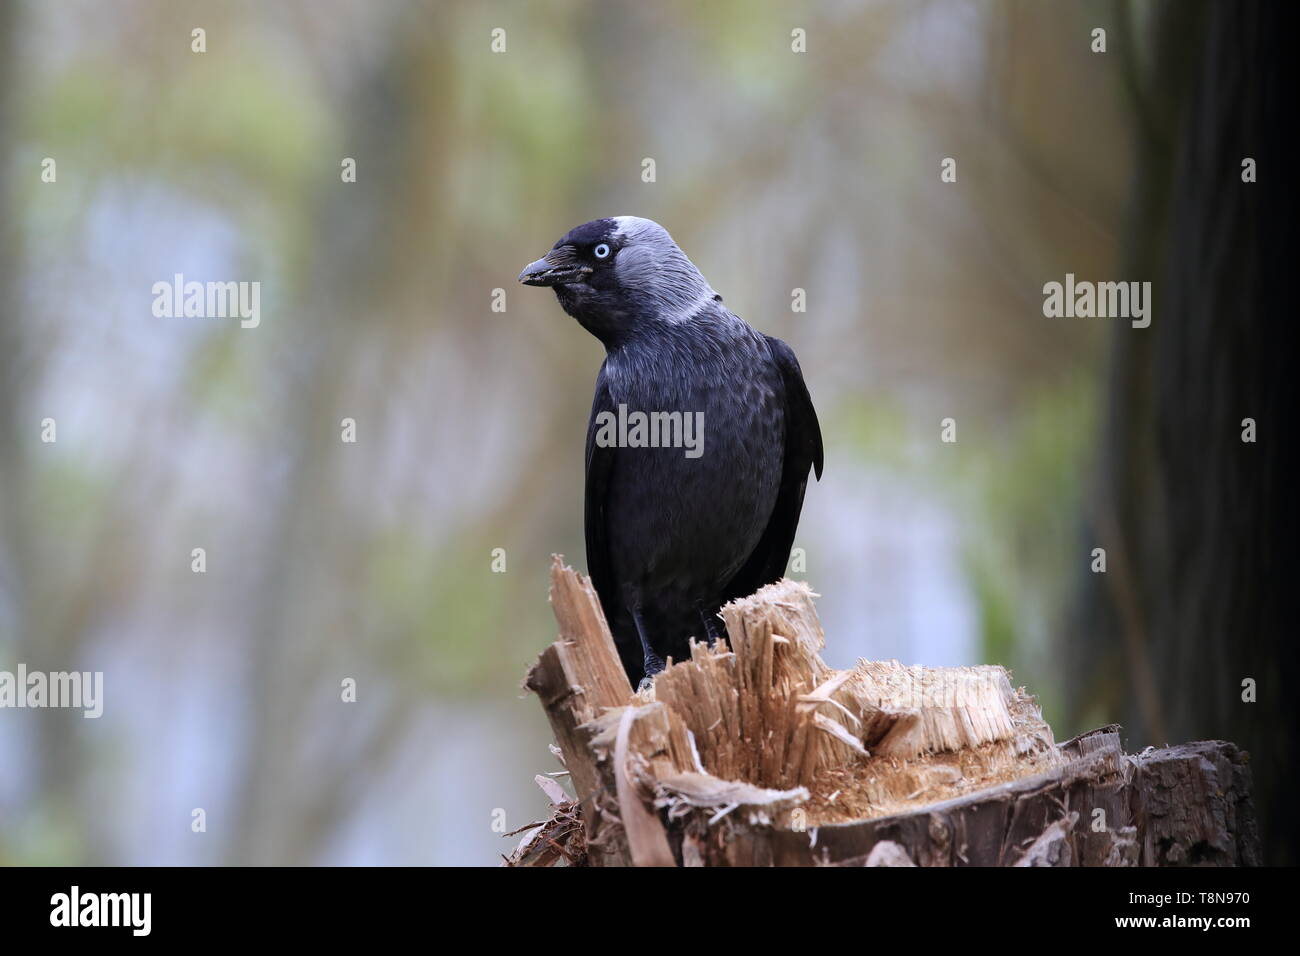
[653, 665]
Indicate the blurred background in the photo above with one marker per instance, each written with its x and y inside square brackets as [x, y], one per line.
[775, 170]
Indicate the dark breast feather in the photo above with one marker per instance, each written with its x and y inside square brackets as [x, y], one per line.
[599, 473]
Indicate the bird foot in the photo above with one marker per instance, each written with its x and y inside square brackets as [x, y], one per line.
[645, 685]
[653, 665]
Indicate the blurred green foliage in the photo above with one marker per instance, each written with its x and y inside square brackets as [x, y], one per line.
[372, 561]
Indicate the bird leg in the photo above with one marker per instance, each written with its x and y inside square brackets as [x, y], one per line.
[711, 628]
[653, 662]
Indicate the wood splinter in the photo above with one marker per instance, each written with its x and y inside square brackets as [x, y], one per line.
[755, 752]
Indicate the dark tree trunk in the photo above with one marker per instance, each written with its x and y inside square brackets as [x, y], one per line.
[1199, 526]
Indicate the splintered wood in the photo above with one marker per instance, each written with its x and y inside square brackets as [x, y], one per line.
[763, 709]
[755, 751]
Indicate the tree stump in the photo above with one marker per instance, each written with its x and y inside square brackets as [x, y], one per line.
[755, 752]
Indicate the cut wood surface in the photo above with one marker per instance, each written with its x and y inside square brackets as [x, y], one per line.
[755, 752]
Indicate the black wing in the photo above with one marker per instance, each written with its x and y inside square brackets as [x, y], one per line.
[803, 452]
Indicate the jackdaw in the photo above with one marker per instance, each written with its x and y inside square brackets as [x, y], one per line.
[674, 533]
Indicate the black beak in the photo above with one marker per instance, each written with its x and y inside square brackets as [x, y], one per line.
[549, 272]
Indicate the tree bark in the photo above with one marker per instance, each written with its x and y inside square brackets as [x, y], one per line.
[1201, 526]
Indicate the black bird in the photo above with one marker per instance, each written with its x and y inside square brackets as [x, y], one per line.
[674, 533]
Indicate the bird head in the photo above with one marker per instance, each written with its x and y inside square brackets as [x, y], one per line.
[620, 276]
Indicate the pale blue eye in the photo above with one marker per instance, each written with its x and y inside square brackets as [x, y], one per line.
[602, 251]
